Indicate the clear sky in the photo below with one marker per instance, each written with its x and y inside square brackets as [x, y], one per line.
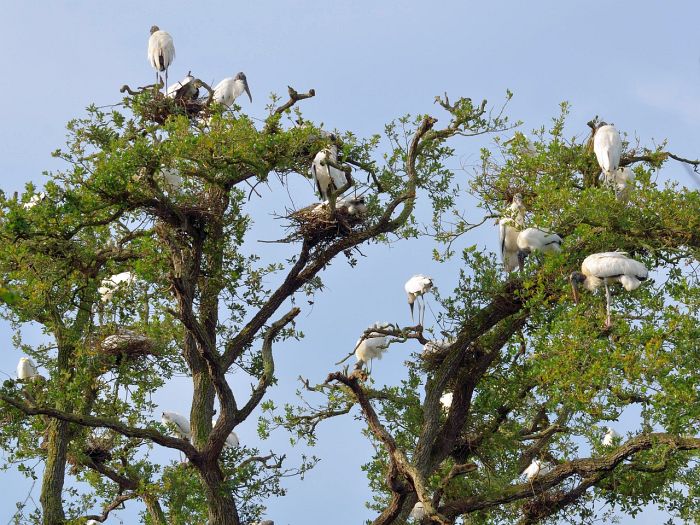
[636, 64]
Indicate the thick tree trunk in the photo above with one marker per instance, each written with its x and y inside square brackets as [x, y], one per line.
[54, 474]
[221, 506]
[202, 408]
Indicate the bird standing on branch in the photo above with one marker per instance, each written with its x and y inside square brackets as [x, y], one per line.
[607, 268]
[607, 147]
[26, 369]
[229, 89]
[161, 52]
[416, 287]
[508, 230]
[328, 178]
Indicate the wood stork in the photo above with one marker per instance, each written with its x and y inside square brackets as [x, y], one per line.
[34, 200]
[417, 512]
[373, 346]
[446, 401]
[437, 345]
[92, 522]
[609, 437]
[536, 240]
[110, 285]
[416, 287]
[178, 423]
[231, 439]
[607, 268]
[622, 180]
[607, 147]
[327, 177]
[229, 89]
[354, 206]
[185, 89]
[26, 369]
[161, 52]
[534, 470]
[508, 231]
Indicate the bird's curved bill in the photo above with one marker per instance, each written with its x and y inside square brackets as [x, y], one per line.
[245, 86]
[574, 292]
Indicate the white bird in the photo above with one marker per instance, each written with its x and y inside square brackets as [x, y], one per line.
[607, 268]
[186, 89]
[34, 200]
[229, 89]
[110, 285]
[416, 287]
[607, 147]
[171, 178]
[446, 400]
[92, 522]
[437, 345]
[373, 346]
[508, 230]
[161, 52]
[537, 240]
[622, 180]
[26, 369]
[327, 177]
[231, 439]
[534, 470]
[522, 144]
[178, 423]
[354, 206]
[609, 437]
[417, 512]
[123, 339]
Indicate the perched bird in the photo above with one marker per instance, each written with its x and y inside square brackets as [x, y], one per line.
[26, 369]
[35, 199]
[437, 345]
[416, 287]
[185, 89]
[178, 423]
[417, 512]
[521, 145]
[373, 346]
[534, 470]
[124, 339]
[354, 206]
[607, 147]
[229, 89]
[508, 230]
[446, 400]
[536, 240]
[171, 178]
[92, 522]
[110, 285]
[609, 437]
[161, 52]
[327, 177]
[622, 180]
[607, 268]
[231, 439]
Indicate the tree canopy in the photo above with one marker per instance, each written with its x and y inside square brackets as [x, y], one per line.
[165, 189]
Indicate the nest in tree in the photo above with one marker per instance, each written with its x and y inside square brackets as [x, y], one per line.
[539, 506]
[127, 343]
[318, 222]
[435, 351]
[98, 451]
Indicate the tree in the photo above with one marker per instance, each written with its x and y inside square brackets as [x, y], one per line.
[161, 191]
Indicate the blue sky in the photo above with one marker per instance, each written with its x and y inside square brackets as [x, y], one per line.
[636, 64]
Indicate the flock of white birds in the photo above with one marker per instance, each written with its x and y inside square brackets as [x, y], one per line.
[516, 243]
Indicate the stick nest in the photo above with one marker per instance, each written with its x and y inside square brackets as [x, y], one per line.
[159, 108]
[317, 222]
[128, 344]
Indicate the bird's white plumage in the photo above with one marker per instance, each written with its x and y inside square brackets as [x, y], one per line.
[613, 267]
[34, 200]
[609, 437]
[417, 512]
[327, 177]
[171, 178]
[533, 470]
[173, 90]
[229, 89]
[161, 50]
[110, 285]
[231, 440]
[418, 285]
[446, 400]
[353, 205]
[26, 369]
[622, 181]
[508, 239]
[178, 423]
[123, 339]
[437, 345]
[92, 522]
[537, 240]
[373, 346]
[607, 147]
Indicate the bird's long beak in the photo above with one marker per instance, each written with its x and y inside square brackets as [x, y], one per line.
[245, 86]
[411, 305]
[574, 290]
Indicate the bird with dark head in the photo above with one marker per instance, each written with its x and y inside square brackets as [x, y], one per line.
[229, 89]
[161, 52]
